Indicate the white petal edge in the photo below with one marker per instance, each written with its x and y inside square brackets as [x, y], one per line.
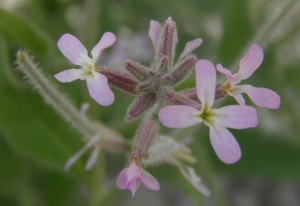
[179, 116]
[250, 62]
[236, 117]
[224, 144]
[71, 75]
[106, 41]
[260, 96]
[99, 89]
[72, 48]
[205, 83]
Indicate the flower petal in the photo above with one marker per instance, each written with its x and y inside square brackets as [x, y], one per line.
[250, 62]
[72, 48]
[75, 157]
[260, 96]
[134, 185]
[122, 179]
[99, 89]
[93, 158]
[237, 117]
[179, 116]
[71, 75]
[191, 46]
[149, 181]
[224, 144]
[205, 83]
[238, 97]
[154, 32]
[227, 73]
[106, 41]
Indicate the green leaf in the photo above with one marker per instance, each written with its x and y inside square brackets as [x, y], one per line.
[20, 31]
[31, 127]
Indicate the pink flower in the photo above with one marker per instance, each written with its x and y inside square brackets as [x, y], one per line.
[132, 176]
[237, 117]
[97, 85]
[260, 96]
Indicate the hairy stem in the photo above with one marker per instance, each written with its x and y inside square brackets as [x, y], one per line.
[52, 96]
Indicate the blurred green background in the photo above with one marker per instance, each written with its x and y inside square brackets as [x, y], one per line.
[35, 142]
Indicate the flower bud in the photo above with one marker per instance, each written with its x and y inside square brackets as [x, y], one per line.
[137, 70]
[120, 80]
[166, 46]
[183, 70]
[144, 136]
[140, 105]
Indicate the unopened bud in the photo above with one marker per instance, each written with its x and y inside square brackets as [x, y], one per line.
[179, 99]
[220, 91]
[166, 46]
[121, 80]
[137, 70]
[183, 70]
[140, 105]
[144, 136]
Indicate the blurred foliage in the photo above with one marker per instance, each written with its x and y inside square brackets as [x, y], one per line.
[35, 143]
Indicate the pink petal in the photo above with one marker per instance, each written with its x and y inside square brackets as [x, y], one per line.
[180, 116]
[133, 172]
[99, 89]
[191, 46]
[250, 62]
[71, 75]
[260, 96]
[106, 41]
[237, 117]
[227, 73]
[205, 83]
[149, 181]
[224, 144]
[238, 97]
[122, 179]
[72, 48]
[154, 32]
[134, 185]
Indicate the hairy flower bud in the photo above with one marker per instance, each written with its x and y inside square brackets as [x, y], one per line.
[140, 104]
[137, 70]
[183, 70]
[166, 46]
[144, 136]
[120, 80]
[190, 93]
[179, 99]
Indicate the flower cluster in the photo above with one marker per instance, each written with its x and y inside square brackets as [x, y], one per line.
[156, 98]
